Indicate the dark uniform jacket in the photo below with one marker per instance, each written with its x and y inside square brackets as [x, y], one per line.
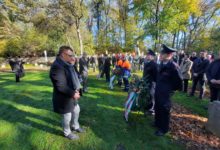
[169, 79]
[213, 72]
[150, 71]
[107, 64]
[63, 86]
[199, 66]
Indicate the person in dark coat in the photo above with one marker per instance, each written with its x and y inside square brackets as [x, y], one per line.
[93, 62]
[66, 94]
[107, 68]
[101, 61]
[193, 57]
[17, 67]
[168, 80]
[213, 76]
[114, 60]
[83, 70]
[198, 73]
[150, 74]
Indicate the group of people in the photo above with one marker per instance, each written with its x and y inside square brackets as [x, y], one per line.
[164, 78]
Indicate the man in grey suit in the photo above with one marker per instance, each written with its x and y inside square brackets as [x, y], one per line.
[83, 70]
[66, 94]
[185, 68]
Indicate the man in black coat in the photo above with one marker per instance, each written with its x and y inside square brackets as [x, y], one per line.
[168, 80]
[199, 68]
[107, 66]
[213, 76]
[83, 71]
[17, 67]
[150, 74]
[66, 87]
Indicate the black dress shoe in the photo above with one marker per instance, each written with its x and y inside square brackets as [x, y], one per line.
[159, 133]
[80, 130]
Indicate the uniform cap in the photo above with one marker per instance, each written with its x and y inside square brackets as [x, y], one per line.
[167, 50]
[151, 52]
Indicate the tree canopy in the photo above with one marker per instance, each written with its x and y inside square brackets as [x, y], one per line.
[97, 26]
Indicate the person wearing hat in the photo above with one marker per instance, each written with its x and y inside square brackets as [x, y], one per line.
[199, 68]
[169, 79]
[150, 74]
[83, 70]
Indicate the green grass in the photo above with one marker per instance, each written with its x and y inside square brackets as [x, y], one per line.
[28, 122]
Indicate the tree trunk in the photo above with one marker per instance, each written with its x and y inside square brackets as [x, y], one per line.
[184, 40]
[174, 39]
[177, 39]
[79, 38]
[156, 24]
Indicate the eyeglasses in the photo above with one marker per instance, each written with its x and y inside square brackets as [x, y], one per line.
[69, 55]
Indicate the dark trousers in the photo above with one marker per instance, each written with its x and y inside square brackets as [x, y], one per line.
[85, 81]
[214, 94]
[120, 81]
[162, 118]
[17, 78]
[107, 75]
[126, 83]
[202, 86]
[185, 85]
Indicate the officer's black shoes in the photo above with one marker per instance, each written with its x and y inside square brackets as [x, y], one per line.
[159, 133]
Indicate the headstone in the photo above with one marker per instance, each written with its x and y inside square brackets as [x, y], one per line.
[3, 66]
[213, 123]
[45, 55]
[41, 65]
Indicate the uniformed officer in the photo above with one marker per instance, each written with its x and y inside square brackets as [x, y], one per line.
[150, 74]
[213, 75]
[168, 80]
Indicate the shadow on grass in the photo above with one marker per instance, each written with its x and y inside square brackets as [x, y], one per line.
[26, 118]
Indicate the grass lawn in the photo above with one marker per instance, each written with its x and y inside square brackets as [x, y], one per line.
[28, 122]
